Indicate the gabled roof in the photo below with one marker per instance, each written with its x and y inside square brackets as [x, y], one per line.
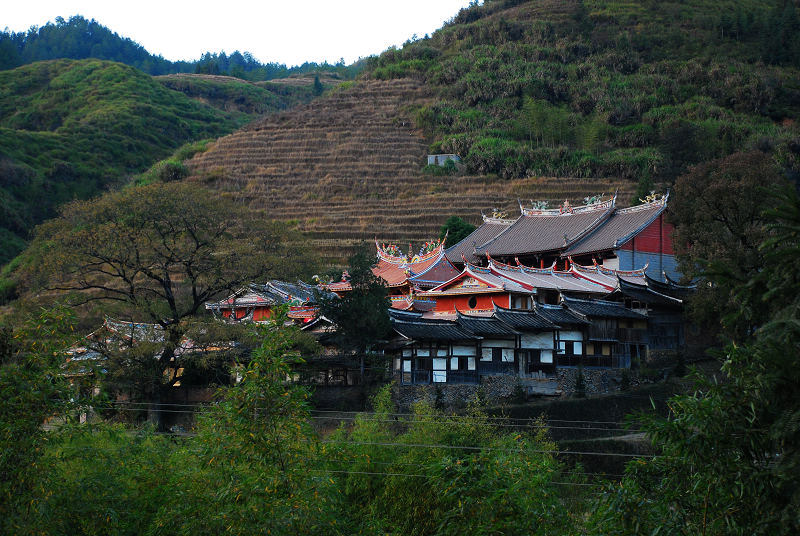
[623, 225]
[404, 315]
[644, 293]
[251, 295]
[436, 274]
[402, 303]
[601, 309]
[485, 326]
[671, 288]
[547, 278]
[608, 277]
[560, 315]
[392, 274]
[486, 231]
[299, 292]
[424, 329]
[477, 280]
[540, 231]
[523, 320]
[273, 292]
[396, 269]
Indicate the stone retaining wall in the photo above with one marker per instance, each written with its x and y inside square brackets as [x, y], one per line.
[493, 389]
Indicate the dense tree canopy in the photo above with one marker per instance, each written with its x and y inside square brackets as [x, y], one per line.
[79, 38]
[360, 317]
[718, 212]
[456, 230]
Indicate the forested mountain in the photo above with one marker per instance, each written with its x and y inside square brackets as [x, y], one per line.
[78, 38]
[590, 88]
[74, 128]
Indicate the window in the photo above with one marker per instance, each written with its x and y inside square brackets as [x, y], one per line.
[454, 363]
[486, 354]
[473, 302]
[439, 370]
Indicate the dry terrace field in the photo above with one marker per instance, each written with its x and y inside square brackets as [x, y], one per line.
[348, 167]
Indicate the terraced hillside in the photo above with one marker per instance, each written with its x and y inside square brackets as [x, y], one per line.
[349, 167]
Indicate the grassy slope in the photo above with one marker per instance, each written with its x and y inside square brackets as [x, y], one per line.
[237, 95]
[600, 88]
[73, 128]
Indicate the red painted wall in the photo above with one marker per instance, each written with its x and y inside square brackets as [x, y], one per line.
[655, 238]
[484, 302]
[262, 313]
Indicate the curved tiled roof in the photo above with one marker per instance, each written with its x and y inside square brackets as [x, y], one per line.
[523, 320]
[490, 228]
[558, 314]
[439, 272]
[485, 326]
[430, 329]
[623, 225]
[547, 278]
[546, 231]
[601, 308]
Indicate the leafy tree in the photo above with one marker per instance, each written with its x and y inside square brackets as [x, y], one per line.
[318, 87]
[401, 479]
[250, 470]
[456, 230]
[33, 392]
[158, 253]
[718, 213]
[361, 316]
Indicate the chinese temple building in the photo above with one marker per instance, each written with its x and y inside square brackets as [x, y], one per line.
[594, 233]
[255, 302]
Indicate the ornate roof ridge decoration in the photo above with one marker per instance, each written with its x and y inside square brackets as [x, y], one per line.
[651, 201]
[534, 270]
[600, 269]
[392, 254]
[495, 219]
[594, 203]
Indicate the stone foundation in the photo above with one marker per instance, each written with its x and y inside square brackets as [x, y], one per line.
[492, 389]
[595, 381]
[499, 388]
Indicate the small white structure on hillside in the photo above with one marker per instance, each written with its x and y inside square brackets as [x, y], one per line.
[440, 159]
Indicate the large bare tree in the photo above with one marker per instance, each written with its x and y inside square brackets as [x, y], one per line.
[159, 252]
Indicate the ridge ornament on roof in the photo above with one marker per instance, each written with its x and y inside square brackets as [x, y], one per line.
[539, 208]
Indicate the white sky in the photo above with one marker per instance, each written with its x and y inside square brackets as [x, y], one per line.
[282, 31]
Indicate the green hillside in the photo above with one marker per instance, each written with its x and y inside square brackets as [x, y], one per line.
[74, 128]
[606, 88]
[237, 95]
